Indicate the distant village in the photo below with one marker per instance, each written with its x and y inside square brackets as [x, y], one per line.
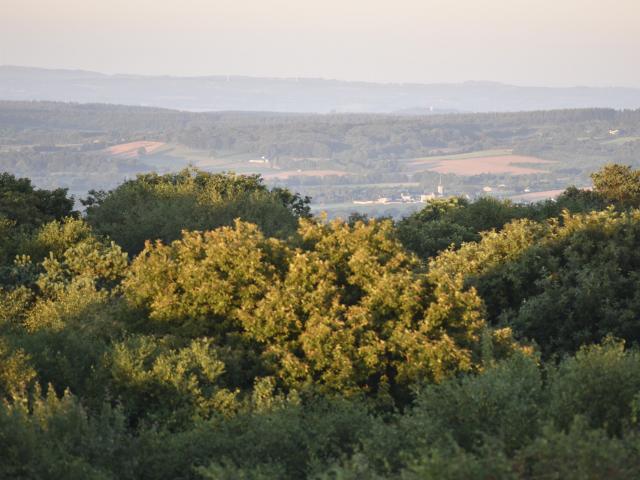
[405, 198]
[518, 195]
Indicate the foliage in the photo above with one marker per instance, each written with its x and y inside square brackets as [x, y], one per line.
[331, 352]
[207, 282]
[510, 422]
[16, 372]
[161, 206]
[561, 283]
[301, 439]
[27, 206]
[23, 209]
[344, 311]
[580, 453]
[600, 384]
[503, 423]
[55, 437]
[158, 382]
[618, 183]
[451, 222]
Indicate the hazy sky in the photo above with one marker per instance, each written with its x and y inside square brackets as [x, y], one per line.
[532, 42]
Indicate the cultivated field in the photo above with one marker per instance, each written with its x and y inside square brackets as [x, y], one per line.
[476, 163]
[283, 175]
[537, 196]
[130, 150]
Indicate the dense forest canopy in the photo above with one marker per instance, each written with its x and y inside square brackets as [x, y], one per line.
[206, 326]
[355, 138]
[155, 207]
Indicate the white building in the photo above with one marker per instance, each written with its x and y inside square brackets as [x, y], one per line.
[440, 187]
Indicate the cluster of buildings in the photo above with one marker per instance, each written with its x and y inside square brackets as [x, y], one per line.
[262, 160]
[405, 198]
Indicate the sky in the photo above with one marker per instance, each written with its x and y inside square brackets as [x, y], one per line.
[522, 42]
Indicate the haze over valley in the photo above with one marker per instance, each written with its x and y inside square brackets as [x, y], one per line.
[302, 95]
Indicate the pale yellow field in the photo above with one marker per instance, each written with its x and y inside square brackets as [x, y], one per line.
[130, 150]
[476, 163]
[304, 173]
[537, 196]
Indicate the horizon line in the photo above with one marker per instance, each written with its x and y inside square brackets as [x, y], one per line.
[314, 78]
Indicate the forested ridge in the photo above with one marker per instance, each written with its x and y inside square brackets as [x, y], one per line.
[194, 325]
[352, 140]
[335, 158]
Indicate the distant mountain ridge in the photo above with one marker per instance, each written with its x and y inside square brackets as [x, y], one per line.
[312, 95]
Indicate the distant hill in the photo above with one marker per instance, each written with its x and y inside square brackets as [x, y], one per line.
[226, 93]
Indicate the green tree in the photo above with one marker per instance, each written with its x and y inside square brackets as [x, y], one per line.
[27, 206]
[561, 283]
[618, 184]
[159, 207]
[347, 310]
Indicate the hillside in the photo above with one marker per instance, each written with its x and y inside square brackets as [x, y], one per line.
[336, 159]
[224, 93]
